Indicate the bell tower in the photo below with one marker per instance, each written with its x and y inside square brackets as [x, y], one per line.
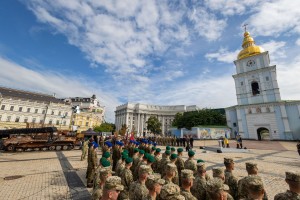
[255, 80]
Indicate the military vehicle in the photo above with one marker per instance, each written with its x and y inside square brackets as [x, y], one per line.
[37, 139]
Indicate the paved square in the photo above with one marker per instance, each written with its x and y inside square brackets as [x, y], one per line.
[61, 174]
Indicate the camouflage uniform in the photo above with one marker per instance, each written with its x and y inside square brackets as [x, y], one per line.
[138, 190]
[92, 164]
[164, 163]
[214, 185]
[187, 175]
[180, 166]
[171, 192]
[84, 149]
[136, 160]
[116, 155]
[232, 182]
[151, 181]
[120, 169]
[190, 164]
[113, 183]
[98, 190]
[290, 195]
[127, 179]
[199, 188]
[187, 194]
[156, 164]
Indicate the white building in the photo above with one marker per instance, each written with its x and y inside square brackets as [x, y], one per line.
[260, 113]
[136, 115]
[18, 108]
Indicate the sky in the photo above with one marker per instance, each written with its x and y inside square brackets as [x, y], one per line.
[176, 52]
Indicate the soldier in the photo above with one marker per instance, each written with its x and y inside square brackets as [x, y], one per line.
[141, 162]
[112, 188]
[179, 163]
[230, 179]
[199, 187]
[207, 177]
[187, 183]
[293, 180]
[121, 166]
[170, 173]
[116, 155]
[126, 178]
[164, 162]
[104, 173]
[216, 190]
[134, 157]
[84, 149]
[107, 147]
[156, 164]
[102, 164]
[153, 150]
[255, 188]
[92, 164]
[168, 148]
[173, 150]
[252, 170]
[138, 190]
[218, 173]
[171, 192]
[154, 184]
[173, 159]
[150, 161]
[190, 163]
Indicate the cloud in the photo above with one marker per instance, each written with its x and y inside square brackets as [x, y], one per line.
[17, 76]
[223, 55]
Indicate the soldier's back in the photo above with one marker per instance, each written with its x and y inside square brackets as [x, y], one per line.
[199, 188]
[187, 195]
[288, 195]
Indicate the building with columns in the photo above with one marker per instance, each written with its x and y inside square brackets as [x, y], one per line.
[135, 115]
[260, 113]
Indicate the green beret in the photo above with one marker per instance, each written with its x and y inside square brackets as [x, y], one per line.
[168, 152]
[179, 150]
[168, 148]
[158, 150]
[136, 150]
[151, 159]
[105, 163]
[125, 150]
[124, 153]
[173, 156]
[102, 159]
[124, 156]
[172, 149]
[106, 154]
[191, 153]
[146, 156]
[128, 160]
[142, 152]
[153, 148]
[200, 160]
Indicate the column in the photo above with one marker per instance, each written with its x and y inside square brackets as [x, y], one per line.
[138, 123]
[142, 120]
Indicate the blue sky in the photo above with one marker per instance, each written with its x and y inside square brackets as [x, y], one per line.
[157, 52]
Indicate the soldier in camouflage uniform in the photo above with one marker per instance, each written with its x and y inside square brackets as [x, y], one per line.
[218, 173]
[84, 149]
[112, 188]
[293, 180]
[104, 173]
[92, 164]
[135, 158]
[156, 164]
[121, 166]
[154, 184]
[173, 159]
[164, 162]
[187, 183]
[116, 155]
[179, 163]
[207, 177]
[199, 187]
[230, 179]
[102, 164]
[127, 179]
[170, 192]
[170, 173]
[252, 170]
[216, 190]
[141, 162]
[190, 163]
[255, 188]
[138, 189]
[168, 148]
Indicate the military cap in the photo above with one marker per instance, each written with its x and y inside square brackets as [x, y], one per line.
[171, 191]
[137, 143]
[173, 156]
[142, 152]
[121, 144]
[108, 143]
[173, 149]
[168, 148]
[105, 171]
[217, 171]
[251, 165]
[214, 185]
[154, 179]
[128, 160]
[150, 159]
[105, 163]
[292, 176]
[191, 153]
[136, 150]
[228, 160]
[187, 174]
[113, 183]
[153, 148]
[124, 156]
[171, 166]
[144, 169]
[96, 145]
[168, 152]
[201, 165]
[179, 150]
[117, 143]
[200, 161]
[106, 154]
[158, 150]
[146, 156]
[255, 183]
[154, 143]
[126, 151]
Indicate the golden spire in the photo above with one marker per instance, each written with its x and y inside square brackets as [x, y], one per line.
[249, 47]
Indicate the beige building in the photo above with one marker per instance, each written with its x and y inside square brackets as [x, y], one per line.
[20, 109]
[84, 120]
[135, 115]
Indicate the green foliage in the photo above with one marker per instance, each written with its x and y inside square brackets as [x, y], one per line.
[105, 127]
[199, 118]
[123, 130]
[154, 125]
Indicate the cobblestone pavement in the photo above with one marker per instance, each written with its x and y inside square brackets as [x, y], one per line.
[61, 175]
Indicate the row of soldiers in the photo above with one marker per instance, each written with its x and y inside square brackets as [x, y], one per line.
[142, 173]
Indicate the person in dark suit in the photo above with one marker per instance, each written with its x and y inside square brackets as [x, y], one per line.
[192, 142]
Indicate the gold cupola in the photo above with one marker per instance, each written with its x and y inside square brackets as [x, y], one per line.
[249, 47]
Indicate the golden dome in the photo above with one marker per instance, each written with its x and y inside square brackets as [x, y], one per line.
[249, 47]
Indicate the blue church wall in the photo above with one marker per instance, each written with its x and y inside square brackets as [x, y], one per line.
[294, 120]
[257, 99]
[270, 96]
[244, 101]
[244, 123]
[233, 119]
[280, 124]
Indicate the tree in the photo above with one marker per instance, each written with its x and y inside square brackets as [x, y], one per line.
[123, 129]
[105, 127]
[154, 125]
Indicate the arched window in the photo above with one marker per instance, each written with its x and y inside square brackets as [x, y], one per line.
[255, 88]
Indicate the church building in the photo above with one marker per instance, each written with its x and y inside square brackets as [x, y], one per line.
[260, 113]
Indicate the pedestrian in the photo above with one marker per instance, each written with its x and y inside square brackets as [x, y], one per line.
[192, 142]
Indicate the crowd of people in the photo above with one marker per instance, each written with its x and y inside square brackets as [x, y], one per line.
[138, 170]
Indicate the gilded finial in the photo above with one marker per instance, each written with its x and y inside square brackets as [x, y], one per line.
[245, 27]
